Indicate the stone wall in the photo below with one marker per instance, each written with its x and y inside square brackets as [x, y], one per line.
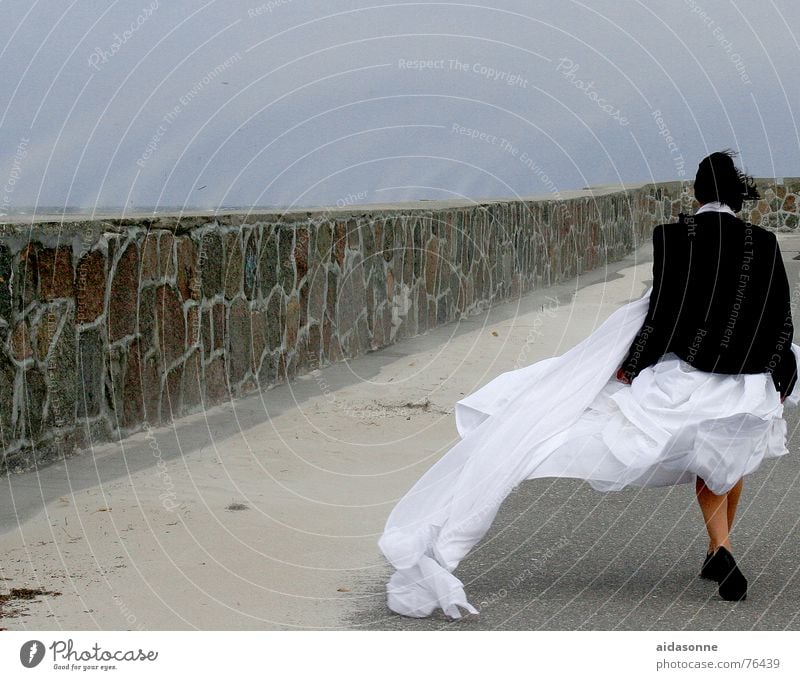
[112, 323]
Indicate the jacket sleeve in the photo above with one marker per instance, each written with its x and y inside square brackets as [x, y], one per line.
[647, 347]
[782, 363]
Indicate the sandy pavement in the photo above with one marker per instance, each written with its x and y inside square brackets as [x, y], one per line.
[264, 513]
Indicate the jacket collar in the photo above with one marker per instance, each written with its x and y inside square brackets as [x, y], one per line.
[716, 206]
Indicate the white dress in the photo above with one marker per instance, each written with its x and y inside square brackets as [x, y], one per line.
[569, 416]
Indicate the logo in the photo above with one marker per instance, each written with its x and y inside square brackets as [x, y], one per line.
[31, 653]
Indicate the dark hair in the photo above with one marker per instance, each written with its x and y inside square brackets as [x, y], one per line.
[718, 179]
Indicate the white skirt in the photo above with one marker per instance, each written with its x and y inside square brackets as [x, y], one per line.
[671, 424]
[569, 416]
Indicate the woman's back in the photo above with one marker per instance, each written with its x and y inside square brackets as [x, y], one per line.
[720, 299]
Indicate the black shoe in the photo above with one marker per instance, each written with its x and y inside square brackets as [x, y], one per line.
[732, 583]
[709, 568]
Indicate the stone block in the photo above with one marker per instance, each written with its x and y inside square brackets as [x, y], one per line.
[193, 326]
[339, 242]
[149, 268]
[431, 265]
[211, 264]
[234, 265]
[192, 385]
[368, 237]
[316, 294]
[273, 318]
[268, 265]
[388, 239]
[171, 402]
[219, 324]
[26, 278]
[332, 293]
[7, 389]
[62, 377]
[303, 297]
[258, 325]
[188, 274]
[346, 310]
[151, 384]
[301, 246]
[216, 382]
[147, 317]
[171, 327]
[239, 344]
[267, 372]
[327, 337]
[363, 334]
[315, 344]
[292, 321]
[90, 287]
[251, 263]
[286, 264]
[324, 242]
[21, 341]
[124, 295]
[354, 234]
[166, 256]
[91, 363]
[206, 331]
[422, 310]
[131, 401]
[6, 273]
[56, 278]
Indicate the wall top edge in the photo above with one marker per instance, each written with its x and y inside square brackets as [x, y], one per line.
[186, 221]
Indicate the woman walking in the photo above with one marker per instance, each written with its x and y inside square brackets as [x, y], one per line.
[721, 304]
[684, 385]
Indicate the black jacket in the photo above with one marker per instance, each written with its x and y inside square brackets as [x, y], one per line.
[720, 300]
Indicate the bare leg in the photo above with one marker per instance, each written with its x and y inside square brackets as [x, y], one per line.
[718, 513]
[715, 515]
[733, 501]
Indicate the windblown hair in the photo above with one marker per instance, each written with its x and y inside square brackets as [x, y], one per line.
[718, 179]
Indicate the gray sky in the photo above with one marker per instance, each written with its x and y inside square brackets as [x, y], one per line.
[200, 104]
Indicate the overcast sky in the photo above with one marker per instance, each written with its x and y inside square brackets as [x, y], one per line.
[149, 103]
